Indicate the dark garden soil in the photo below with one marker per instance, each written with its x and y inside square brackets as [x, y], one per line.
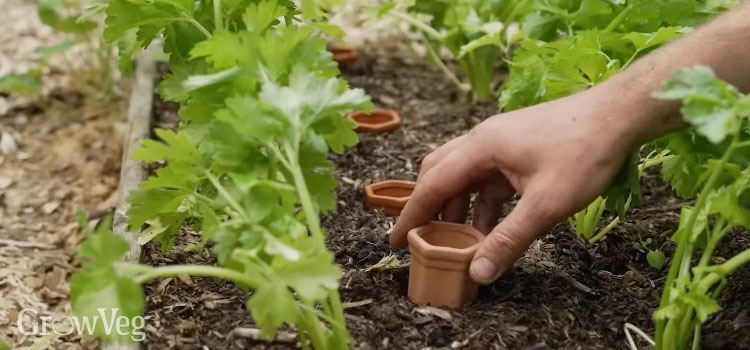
[561, 294]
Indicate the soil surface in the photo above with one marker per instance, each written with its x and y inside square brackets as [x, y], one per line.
[60, 152]
[562, 294]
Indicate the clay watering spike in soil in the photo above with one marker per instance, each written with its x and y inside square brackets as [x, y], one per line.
[343, 54]
[391, 195]
[379, 120]
[441, 254]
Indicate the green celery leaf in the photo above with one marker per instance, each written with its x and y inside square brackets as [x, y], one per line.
[258, 17]
[148, 17]
[272, 305]
[98, 289]
[175, 148]
[625, 185]
[127, 46]
[148, 203]
[708, 103]
[644, 41]
[226, 49]
[309, 98]
[683, 174]
[704, 305]
[312, 276]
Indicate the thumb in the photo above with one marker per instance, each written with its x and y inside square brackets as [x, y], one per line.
[508, 240]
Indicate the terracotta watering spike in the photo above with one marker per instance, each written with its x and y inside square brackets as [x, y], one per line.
[379, 120]
[389, 195]
[343, 55]
[441, 253]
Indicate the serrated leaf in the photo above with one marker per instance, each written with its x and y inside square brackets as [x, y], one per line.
[176, 147]
[148, 18]
[225, 49]
[312, 276]
[258, 17]
[97, 290]
[708, 103]
[272, 305]
[147, 203]
[644, 41]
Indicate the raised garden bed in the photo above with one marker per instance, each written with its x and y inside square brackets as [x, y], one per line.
[562, 294]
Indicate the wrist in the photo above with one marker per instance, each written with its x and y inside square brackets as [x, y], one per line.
[629, 114]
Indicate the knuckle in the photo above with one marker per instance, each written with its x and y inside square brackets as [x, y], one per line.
[503, 242]
[429, 161]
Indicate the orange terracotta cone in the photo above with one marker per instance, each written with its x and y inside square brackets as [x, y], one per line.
[380, 120]
[343, 55]
[389, 195]
[441, 253]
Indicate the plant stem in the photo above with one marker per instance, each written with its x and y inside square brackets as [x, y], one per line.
[312, 326]
[617, 20]
[311, 216]
[200, 27]
[726, 268]
[425, 28]
[681, 259]
[217, 15]
[441, 65]
[224, 193]
[605, 230]
[198, 270]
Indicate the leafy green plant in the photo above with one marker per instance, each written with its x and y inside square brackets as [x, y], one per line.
[474, 31]
[720, 116]
[586, 222]
[574, 45]
[654, 257]
[260, 108]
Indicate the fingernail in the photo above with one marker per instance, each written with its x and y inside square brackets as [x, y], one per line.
[483, 270]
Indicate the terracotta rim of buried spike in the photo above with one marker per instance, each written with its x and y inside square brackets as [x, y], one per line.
[379, 120]
[343, 54]
[390, 195]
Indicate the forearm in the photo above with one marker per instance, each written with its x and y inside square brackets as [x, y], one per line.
[721, 44]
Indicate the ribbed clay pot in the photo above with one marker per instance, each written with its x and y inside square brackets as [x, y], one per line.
[441, 253]
[391, 195]
[343, 55]
[379, 120]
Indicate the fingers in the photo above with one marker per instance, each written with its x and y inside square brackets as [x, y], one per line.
[447, 179]
[492, 195]
[457, 208]
[441, 152]
[509, 239]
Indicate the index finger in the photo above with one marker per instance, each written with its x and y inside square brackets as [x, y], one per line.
[448, 178]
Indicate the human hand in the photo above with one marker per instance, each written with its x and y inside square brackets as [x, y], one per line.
[557, 156]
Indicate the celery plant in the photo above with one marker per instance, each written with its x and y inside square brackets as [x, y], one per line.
[719, 114]
[260, 108]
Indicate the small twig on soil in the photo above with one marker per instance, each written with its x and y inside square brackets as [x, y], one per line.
[577, 285]
[21, 244]
[352, 304]
[255, 334]
[664, 208]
